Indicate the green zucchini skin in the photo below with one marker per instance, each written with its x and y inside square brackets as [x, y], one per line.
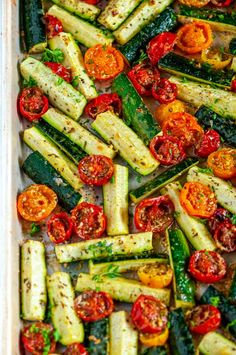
[181, 341]
[210, 119]
[98, 337]
[232, 46]
[182, 66]
[41, 172]
[161, 180]
[228, 310]
[143, 255]
[33, 26]
[136, 113]
[160, 350]
[65, 144]
[166, 21]
[232, 291]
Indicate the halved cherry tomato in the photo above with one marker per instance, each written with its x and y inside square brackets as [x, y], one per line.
[194, 37]
[163, 111]
[222, 3]
[160, 46]
[164, 91]
[203, 319]
[209, 144]
[143, 77]
[167, 150]
[198, 200]
[75, 349]
[60, 227]
[207, 266]
[103, 103]
[92, 2]
[154, 214]
[195, 3]
[37, 336]
[155, 275]
[233, 85]
[36, 203]
[92, 306]
[220, 215]
[225, 237]
[96, 169]
[103, 62]
[183, 126]
[223, 163]
[155, 339]
[149, 315]
[53, 26]
[32, 103]
[216, 58]
[60, 70]
[89, 220]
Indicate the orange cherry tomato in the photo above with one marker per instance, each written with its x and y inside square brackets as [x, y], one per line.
[198, 200]
[36, 203]
[194, 37]
[157, 339]
[155, 275]
[195, 3]
[223, 163]
[164, 110]
[103, 62]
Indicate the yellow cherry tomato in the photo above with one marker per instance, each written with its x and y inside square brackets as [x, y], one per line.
[215, 58]
[164, 110]
[154, 339]
[155, 275]
[195, 3]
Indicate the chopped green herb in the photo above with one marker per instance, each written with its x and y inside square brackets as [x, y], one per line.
[176, 214]
[101, 248]
[184, 79]
[142, 57]
[75, 81]
[206, 171]
[35, 228]
[111, 272]
[215, 301]
[233, 219]
[59, 81]
[29, 83]
[112, 180]
[231, 324]
[56, 55]
[139, 179]
[56, 335]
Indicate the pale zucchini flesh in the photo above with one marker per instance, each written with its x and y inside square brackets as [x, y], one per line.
[121, 289]
[33, 281]
[126, 142]
[115, 202]
[196, 232]
[78, 134]
[80, 8]
[60, 93]
[104, 247]
[35, 139]
[84, 32]
[217, 344]
[64, 318]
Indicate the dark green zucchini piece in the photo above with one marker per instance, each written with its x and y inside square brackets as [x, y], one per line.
[33, 27]
[166, 21]
[41, 172]
[228, 310]
[160, 350]
[143, 255]
[177, 64]
[135, 112]
[232, 46]
[98, 337]
[65, 144]
[232, 290]
[180, 339]
[225, 127]
[161, 180]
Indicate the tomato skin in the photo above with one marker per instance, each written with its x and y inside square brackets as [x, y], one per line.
[220, 215]
[194, 37]
[33, 340]
[233, 85]
[167, 150]
[164, 91]
[222, 3]
[96, 170]
[223, 163]
[53, 26]
[155, 275]
[92, 306]
[149, 315]
[89, 220]
[160, 46]
[60, 70]
[195, 3]
[102, 103]
[92, 2]
[75, 349]
[154, 214]
[60, 227]
[204, 319]
[163, 111]
[157, 339]
[225, 237]
[210, 143]
[32, 103]
[207, 266]
[143, 76]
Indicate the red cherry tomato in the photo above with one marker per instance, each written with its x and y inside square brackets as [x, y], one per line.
[89, 220]
[92, 306]
[96, 170]
[233, 85]
[92, 2]
[59, 227]
[149, 315]
[207, 266]
[164, 91]
[53, 26]
[103, 103]
[167, 150]
[219, 216]
[225, 237]
[222, 3]
[209, 144]
[60, 70]
[203, 319]
[32, 103]
[160, 46]
[154, 214]
[75, 349]
[37, 336]
[143, 77]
